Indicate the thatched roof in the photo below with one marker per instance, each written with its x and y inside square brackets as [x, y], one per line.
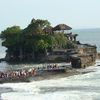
[62, 27]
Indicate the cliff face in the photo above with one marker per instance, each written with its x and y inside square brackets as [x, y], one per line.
[87, 60]
[98, 55]
[86, 56]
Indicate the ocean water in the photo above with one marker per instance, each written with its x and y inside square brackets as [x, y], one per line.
[77, 87]
[90, 36]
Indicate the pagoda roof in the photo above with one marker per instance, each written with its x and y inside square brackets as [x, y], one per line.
[62, 27]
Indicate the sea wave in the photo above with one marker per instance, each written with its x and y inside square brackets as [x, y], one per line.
[77, 87]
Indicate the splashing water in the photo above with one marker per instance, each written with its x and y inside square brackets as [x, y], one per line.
[77, 87]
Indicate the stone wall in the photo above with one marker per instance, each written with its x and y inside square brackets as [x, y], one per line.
[98, 55]
[82, 61]
[86, 60]
[56, 57]
[86, 56]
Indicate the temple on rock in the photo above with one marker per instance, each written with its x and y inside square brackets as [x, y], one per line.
[40, 41]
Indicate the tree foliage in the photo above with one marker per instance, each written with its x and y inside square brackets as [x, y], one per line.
[11, 36]
[60, 40]
[33, 38]
[36, 27]
[10, 32]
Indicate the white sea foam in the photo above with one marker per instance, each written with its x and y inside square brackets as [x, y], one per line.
[51, 96]
[77, 87]
[2, 51]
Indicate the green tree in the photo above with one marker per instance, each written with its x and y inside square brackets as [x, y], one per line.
[60, 40]
[10, 36]
[12, 39]
[36, 27]
[33, 39]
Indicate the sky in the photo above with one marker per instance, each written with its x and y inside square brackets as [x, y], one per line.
[75, 13]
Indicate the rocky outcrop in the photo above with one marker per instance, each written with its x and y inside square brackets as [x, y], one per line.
[98, 55]
[86, 56]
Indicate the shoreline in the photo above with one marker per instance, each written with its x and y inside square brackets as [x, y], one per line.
[47, 76]
[69, 73]
[38, 74]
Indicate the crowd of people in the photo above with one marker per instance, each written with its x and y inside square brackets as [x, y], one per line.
[26, 72]
[18, 74]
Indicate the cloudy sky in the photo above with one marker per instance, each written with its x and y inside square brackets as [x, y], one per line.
[75, 13]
